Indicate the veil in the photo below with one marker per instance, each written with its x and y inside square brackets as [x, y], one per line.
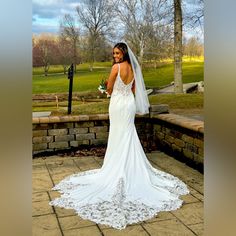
[141, 97]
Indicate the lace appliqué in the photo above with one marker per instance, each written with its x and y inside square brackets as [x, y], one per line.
[178, 188]
[121, 88]
[118, 211]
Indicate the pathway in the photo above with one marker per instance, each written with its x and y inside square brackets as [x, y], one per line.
[54, 221]
[186, 87]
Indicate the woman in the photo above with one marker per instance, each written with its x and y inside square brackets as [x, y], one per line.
[126, 189]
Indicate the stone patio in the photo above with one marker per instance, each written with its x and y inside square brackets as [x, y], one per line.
[54, 221]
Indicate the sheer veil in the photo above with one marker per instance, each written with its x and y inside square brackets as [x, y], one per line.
[141, 97]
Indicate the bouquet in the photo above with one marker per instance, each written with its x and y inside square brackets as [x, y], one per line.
[103, 87]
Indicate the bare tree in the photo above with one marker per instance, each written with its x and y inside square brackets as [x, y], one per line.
[65, 52]
[193, 15]
[37, 55]
[178, 84]
[159, 45]
[193, 47]
[140, 19]
[45, 52]
[97, 17]
[68, 30]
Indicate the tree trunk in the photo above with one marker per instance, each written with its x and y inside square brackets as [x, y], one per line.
[75, 54]
[92, 55]
[46, 68]
[91, 58]
[178, 87]
[64, 68]
[141, 45]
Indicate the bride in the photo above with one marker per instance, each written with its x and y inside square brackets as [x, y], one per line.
[126, 189]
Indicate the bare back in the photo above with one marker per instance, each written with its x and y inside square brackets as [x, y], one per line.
[126, 73]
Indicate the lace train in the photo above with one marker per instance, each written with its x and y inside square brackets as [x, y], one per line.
[118, 211]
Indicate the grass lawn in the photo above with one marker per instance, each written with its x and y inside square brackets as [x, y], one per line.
[57, 82]
[178, 101]
[192, 72]
[87, 82]
[84, 80]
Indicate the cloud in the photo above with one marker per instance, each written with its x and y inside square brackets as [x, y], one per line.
[51, 11]
[46, 11]
[53, 8]
[39, 28]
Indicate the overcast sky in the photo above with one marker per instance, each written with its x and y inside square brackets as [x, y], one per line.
[47, 13]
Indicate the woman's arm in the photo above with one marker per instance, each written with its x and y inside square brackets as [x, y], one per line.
[111, 80]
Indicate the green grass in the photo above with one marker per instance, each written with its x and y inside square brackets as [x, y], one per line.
[178, 101]
[87, 82]
[56, 82]
[78, 108]
[84, 80]
[86, 108]
[192, 72]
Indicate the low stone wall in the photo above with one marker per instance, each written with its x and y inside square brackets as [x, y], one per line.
[66, 132]
[179, 136]
[54, 133]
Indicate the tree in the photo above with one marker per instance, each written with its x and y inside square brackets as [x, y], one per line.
[45, 52]
[193, 48]
[37, 53]
[103, 51]
[159, 45]
[69, 31]
[97, 17]
[141, 20]
[178, 84]
[194, 16]
[65, 52]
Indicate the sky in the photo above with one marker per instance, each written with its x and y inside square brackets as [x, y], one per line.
[47, 14]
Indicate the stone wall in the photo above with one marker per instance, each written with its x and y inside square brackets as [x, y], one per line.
[179, 136]
[66, 132]
[51, 134]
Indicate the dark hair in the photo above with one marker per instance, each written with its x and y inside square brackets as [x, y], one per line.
[124, 50]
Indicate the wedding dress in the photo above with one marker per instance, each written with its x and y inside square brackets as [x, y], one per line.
[126, 189]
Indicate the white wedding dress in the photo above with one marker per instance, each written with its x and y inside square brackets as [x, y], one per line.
[126, 189]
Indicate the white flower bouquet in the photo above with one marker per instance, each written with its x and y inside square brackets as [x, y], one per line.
[103, 88]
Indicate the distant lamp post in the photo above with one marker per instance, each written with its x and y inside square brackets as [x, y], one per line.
[70, 77]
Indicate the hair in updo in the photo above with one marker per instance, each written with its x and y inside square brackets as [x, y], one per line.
[124, 50]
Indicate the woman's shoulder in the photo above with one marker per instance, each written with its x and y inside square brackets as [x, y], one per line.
[115, 67]
[114, 70]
